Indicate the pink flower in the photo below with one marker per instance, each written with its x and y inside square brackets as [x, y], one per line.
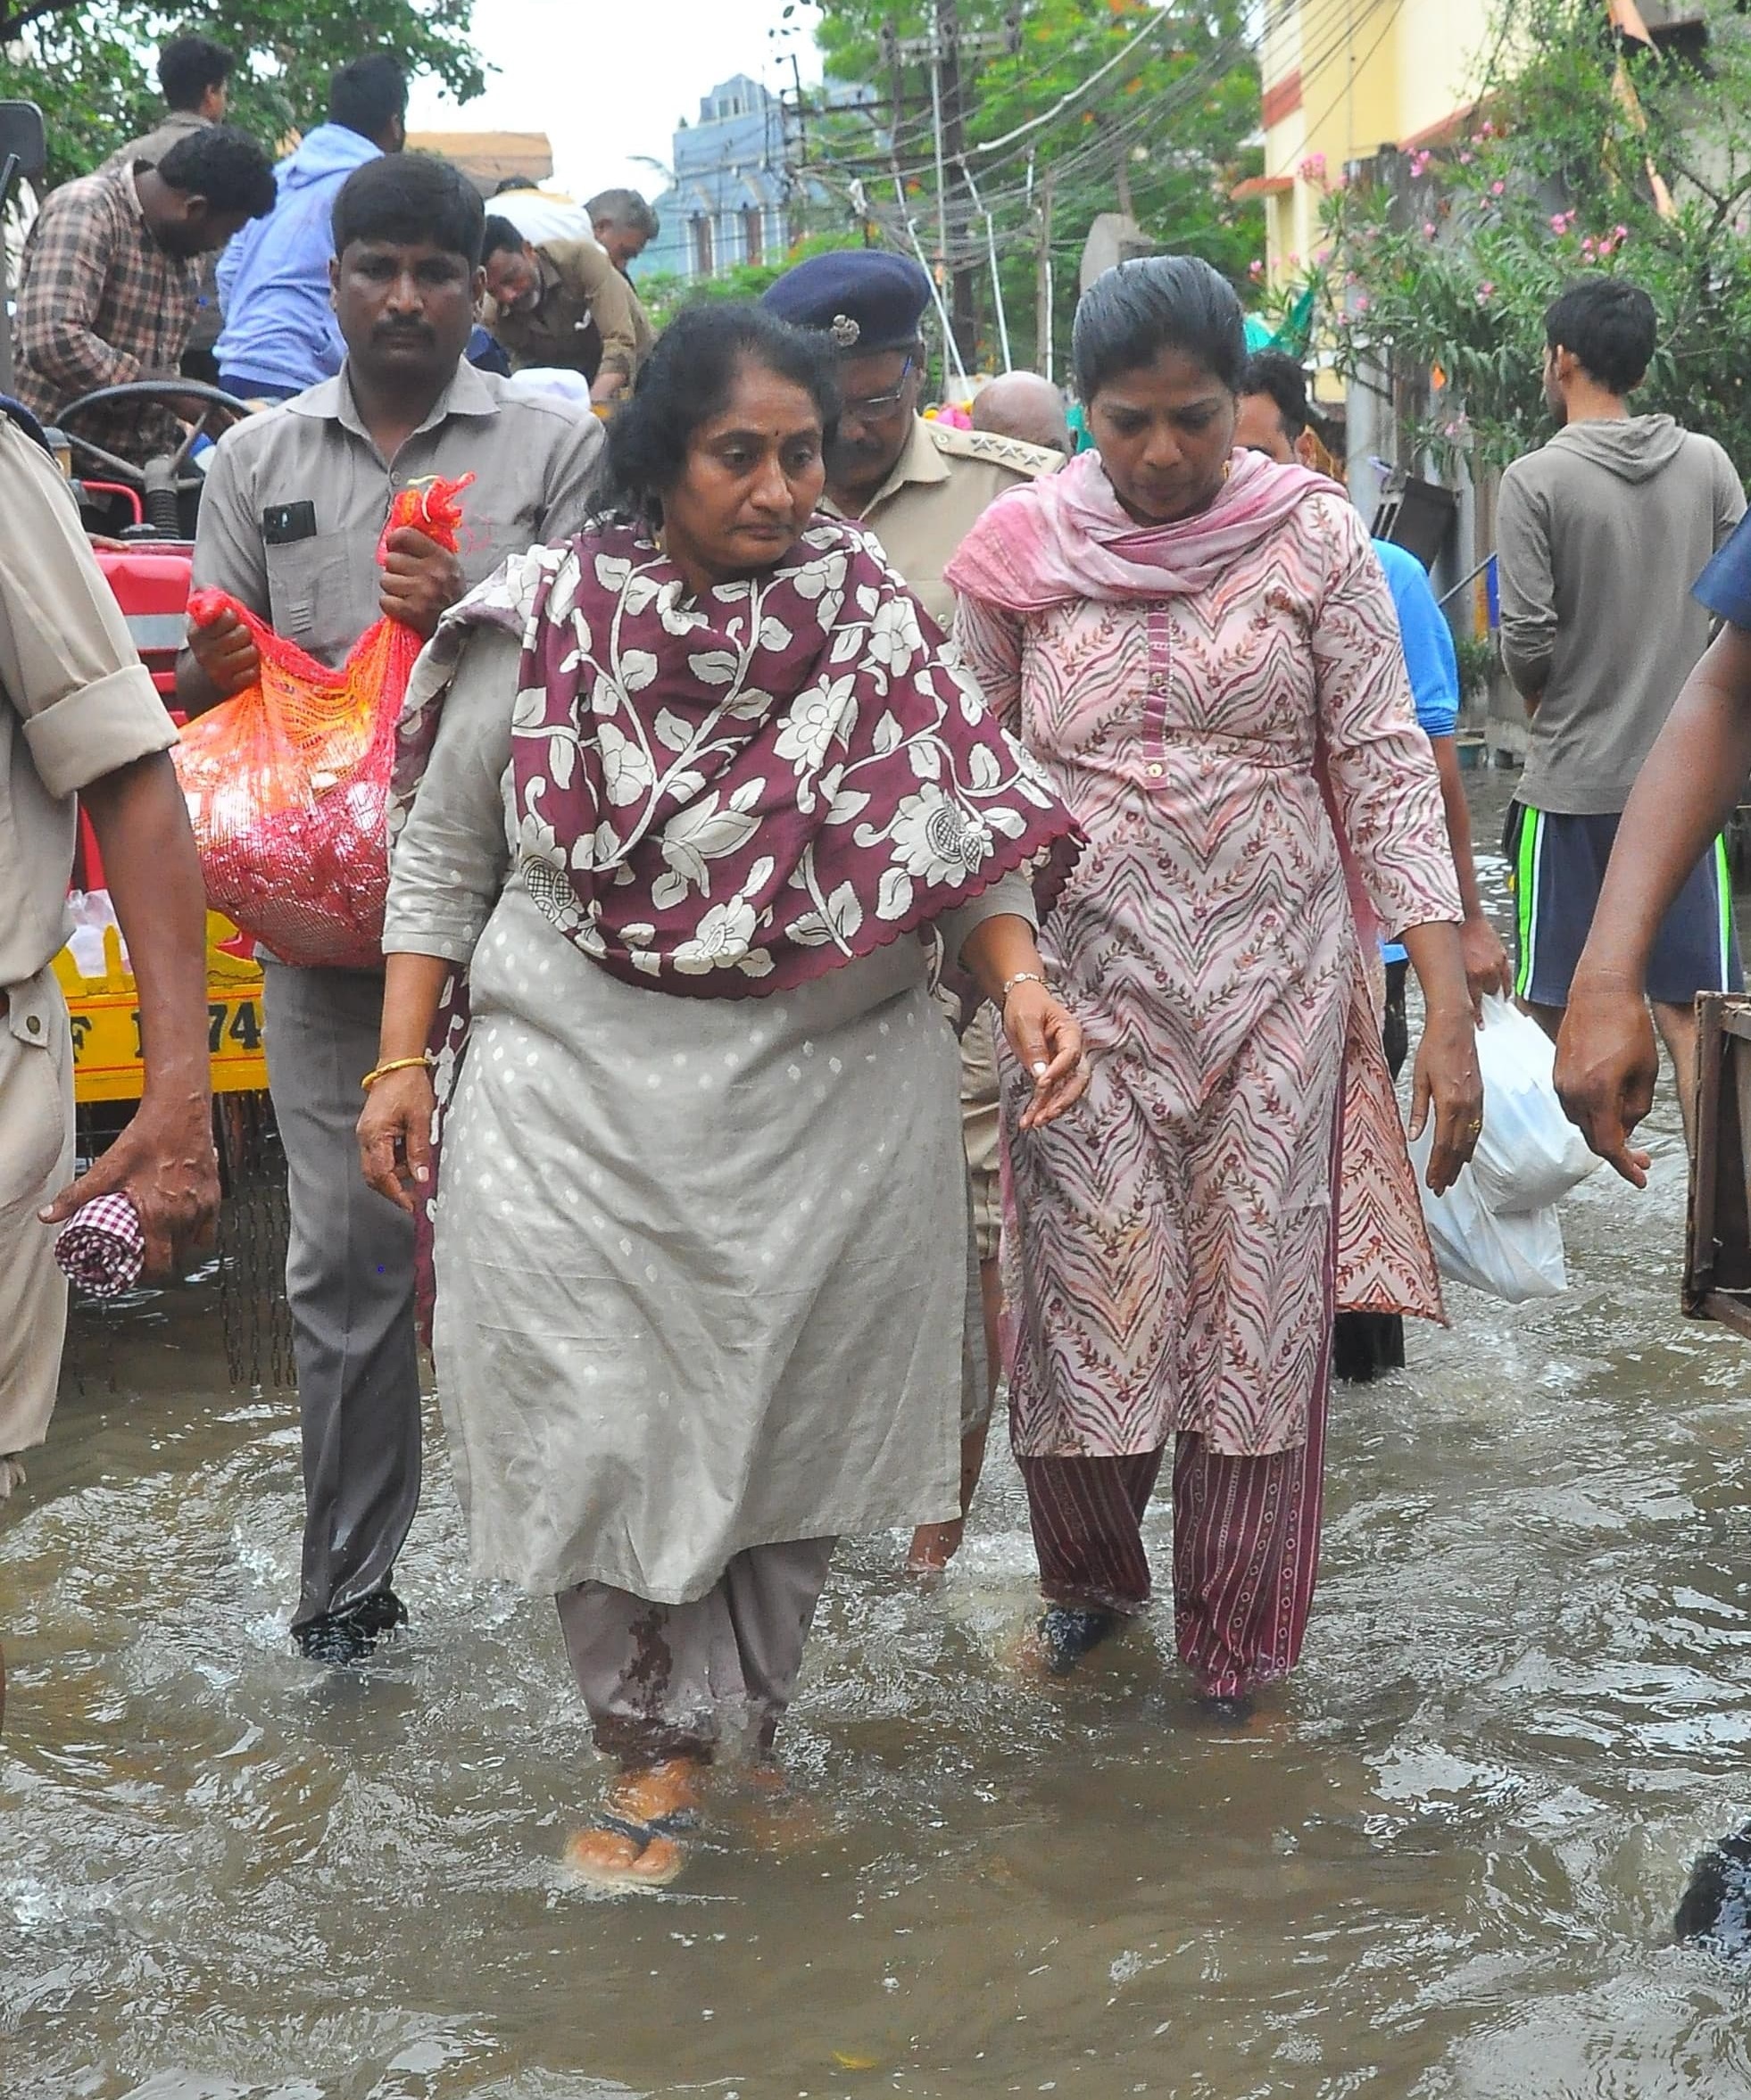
[1362, 303]
[1321, 256]
[1255, 269]
[1587, 248]
[1486, 292]
[1419, 165]
[1428, 229]
[1313, 167]
[1499, 189]
[1465, 159]
[1562, 222]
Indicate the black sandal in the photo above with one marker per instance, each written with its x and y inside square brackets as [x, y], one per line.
[1067, 1632]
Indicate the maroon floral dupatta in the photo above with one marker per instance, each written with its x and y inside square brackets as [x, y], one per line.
[728, 795]
[725, 796]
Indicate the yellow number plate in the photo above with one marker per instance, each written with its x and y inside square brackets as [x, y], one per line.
[107, 1045]
[105, 1016]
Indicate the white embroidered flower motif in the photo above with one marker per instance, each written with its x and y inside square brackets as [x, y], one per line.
[553, 896]
[627, 771]
[807, 729]
[536, 840]
[721, 942]
[679, 618]
[816, 579]
[936, 840]
[893, 637]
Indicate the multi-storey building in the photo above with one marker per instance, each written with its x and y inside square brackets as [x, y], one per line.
[732, 197]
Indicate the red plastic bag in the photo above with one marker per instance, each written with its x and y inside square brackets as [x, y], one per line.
[288, 783]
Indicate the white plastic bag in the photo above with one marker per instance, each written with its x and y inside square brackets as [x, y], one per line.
[1517, 1256]
[1529, 1154]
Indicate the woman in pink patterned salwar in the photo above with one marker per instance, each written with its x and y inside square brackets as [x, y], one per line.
[1200, 648]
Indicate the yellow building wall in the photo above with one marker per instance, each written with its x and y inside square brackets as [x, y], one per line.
[1372, 73]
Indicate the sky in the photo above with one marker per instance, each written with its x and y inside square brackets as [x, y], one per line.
[608, 83]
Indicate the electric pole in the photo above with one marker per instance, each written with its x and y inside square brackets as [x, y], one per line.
[936, 138]
[954, 148]
[1043, 294]
[1122, 176]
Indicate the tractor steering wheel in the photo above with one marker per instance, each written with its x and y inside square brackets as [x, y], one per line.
[170, 394]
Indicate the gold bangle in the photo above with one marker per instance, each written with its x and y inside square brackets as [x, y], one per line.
[425, 1058]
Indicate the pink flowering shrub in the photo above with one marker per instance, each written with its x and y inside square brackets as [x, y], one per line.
[1453, 253]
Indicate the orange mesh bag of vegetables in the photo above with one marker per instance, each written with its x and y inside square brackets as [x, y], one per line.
[287, 782]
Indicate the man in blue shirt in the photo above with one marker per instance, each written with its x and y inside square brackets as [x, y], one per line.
[280, 335]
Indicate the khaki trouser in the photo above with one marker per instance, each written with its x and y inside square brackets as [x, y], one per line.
[36, 1163]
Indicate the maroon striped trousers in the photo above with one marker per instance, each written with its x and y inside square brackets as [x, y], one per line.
[1246, 1545]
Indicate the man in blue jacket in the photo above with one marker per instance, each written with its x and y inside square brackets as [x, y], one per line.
[279, 335]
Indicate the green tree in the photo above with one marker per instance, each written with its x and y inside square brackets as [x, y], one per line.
[1162, 132]
[1590, 154]
[88, 63]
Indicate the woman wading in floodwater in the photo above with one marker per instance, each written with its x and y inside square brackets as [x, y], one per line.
[684, 793]
[1198, 645]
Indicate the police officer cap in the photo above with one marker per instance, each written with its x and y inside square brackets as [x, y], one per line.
[864, 298]
[15, 412]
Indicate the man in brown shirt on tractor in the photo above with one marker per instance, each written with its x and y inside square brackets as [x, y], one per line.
[108, 292]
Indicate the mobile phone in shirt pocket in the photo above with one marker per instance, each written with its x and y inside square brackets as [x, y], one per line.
[308, 594]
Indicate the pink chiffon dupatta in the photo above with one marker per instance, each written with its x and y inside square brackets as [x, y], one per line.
[1067, 537]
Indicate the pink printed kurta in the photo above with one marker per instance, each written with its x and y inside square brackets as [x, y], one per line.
[1165, 1266]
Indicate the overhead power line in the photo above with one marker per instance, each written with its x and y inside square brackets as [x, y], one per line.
[1069, 101]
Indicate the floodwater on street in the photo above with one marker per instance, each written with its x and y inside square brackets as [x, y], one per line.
[1443, 1863]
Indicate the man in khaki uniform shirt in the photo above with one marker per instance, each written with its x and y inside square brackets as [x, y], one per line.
[920, 487]
[79, 721]
[563, 303]
[625, 225]
[295, 502]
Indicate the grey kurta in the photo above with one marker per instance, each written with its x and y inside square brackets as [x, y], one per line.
[702, 1264]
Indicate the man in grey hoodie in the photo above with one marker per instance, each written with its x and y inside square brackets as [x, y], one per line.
[1600, 535]
[280, 335]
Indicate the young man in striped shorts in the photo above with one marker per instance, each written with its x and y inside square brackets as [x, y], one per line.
[1601, 534]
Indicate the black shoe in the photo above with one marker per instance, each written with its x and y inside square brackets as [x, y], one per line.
[1232, 1712]
[345, 1636]
[1069, 1632]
